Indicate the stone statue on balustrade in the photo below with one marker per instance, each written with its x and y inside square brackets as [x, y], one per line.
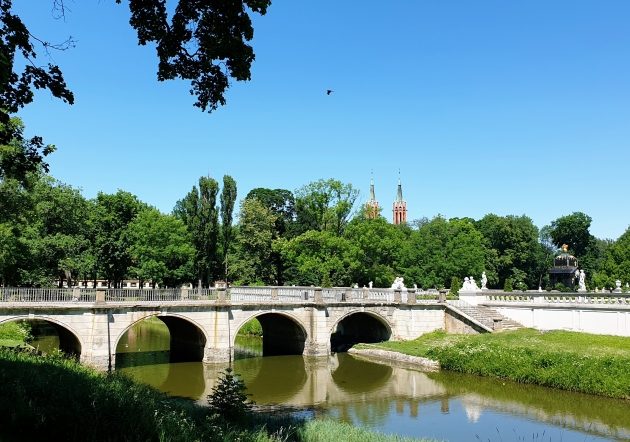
[618, 287]
[484, 281]
[469, 285]
[582, 281]
[399, 284]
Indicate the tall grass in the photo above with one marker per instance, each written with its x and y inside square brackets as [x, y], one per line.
[571, 361]
[329, 430]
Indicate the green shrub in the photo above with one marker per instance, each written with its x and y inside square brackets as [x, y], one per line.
[228, 398]
[507, 287]
[455, 286]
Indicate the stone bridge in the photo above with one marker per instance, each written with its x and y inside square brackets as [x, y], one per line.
[203, 323]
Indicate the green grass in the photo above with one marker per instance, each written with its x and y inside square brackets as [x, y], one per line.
[593, 364]
[329, 430]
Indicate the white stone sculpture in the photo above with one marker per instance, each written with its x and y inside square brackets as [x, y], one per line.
[399, 284]
[466, 285]
[582, 282]
[618, 287]
[473, 284]
[370, 284]
[484, 280]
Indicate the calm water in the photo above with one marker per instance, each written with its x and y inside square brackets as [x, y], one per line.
[384, 397]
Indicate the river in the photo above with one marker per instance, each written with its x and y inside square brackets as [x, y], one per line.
[389, 398]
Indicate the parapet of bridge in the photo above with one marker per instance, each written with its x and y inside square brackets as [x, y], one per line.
[296, 320]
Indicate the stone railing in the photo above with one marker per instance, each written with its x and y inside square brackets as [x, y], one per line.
[556, 298]
[234, 295]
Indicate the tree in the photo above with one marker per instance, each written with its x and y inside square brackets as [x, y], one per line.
[324, 205]
[441, 249]
[228, 198]
[199, 213]
[113, 213]
[319, 258]
[281, 203]
[379, 246]
[514, 250]
[200, 41]
[254, 263]
[572, 230]
[160, 248]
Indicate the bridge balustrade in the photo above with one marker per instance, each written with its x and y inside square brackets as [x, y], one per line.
[560, 298]
[247, 294]
[29, 294]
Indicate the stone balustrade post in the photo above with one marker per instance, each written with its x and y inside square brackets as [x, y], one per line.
[366, 294]
[274, 294]
[319, 298]
[411, 297]
[221, 295]
[100, 295]
[397, 296]
[184, 293]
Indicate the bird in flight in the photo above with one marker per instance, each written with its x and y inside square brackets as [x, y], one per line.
[329, 91]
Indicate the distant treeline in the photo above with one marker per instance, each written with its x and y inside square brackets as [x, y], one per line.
[314, 236]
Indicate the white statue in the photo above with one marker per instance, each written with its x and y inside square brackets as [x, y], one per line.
[473, 284]
[370, 284]
[618, 287]
[484, 281]
[399, 284]
[466, 285]
[582, 282]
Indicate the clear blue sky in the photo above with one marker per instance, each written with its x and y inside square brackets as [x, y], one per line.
[484, 106]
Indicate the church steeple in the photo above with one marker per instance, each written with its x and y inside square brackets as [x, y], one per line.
[400, 205]
[371, 207]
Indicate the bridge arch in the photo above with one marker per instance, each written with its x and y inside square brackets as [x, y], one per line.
[70, 342]
[187, 338]
[283, 333]
[358, 326]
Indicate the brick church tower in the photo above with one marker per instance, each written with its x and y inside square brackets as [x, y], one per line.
[371, 207]
[400, 207]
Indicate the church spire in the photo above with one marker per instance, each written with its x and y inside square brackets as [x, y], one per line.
[371, 207]
[400, 205]
[399, 193]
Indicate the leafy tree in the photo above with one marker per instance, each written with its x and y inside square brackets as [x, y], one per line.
[160, 248]
[113, 214]
[203, 42]
[228, 198]
[281, 203]
[378, 245]
[324, 205]
[20, 156]
[441, 249]
[319, 258]
[254, 263]
[199, 213]
[572, 230]
[515, 250]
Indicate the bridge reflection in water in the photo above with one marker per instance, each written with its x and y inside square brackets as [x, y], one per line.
[404, 401]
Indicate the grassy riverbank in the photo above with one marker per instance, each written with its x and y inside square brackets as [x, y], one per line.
[59, 399]
[594, 364]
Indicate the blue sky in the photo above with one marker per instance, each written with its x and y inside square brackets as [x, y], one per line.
[484, 106]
